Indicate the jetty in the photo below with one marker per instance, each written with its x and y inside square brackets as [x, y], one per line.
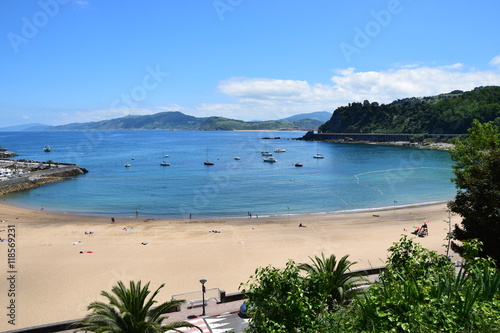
[4, 153]
[370, 137]
[18, 175]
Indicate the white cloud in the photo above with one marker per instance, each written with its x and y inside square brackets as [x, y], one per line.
[495, 61]
[268, 98]
[264, 97]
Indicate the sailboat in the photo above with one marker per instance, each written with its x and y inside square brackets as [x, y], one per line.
[207, 162]
[163, 163]
[318, 155]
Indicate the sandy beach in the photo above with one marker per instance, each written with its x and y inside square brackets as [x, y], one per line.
[54, 281]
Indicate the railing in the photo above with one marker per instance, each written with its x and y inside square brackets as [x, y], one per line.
[196, 297]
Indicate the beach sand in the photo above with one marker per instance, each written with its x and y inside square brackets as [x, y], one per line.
[55, 282]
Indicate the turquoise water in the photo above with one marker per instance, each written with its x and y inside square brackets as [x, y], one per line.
[350, 177]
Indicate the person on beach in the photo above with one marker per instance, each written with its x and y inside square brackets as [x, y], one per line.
[112, 220]
[136, 213]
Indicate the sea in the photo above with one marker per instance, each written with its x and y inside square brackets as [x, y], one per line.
[350, 177]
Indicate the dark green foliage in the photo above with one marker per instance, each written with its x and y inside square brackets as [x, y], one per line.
[280, 300]
[451, 114]
[420, 292]
[477, 177]
[333, 278]
[129, 310]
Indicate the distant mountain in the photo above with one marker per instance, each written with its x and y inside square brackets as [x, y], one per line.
[158, 121]
[319, 115]
[25, 127]
[226, 124]
[175, 120]
[450, 113]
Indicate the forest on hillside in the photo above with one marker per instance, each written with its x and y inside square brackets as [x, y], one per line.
[451, 113]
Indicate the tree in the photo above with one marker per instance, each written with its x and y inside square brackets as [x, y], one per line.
[280, 300]
[130, 311]
[477, 177]
[332, 278]
[420, 291]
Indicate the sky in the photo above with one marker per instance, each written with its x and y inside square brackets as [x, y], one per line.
[65, 61]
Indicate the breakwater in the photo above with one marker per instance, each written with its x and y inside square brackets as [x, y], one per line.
[370, 137]
[48, 173]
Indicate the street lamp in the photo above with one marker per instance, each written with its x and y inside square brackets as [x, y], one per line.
[203, 281]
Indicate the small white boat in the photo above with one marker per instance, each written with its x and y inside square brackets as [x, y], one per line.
[166, 156]
[318, 155]
[237, 158]
[164, 163]
[279, 150]
[270, 159]
[265, 153]
[127, 165]
[47, 148]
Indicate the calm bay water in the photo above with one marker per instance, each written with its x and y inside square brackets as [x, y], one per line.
[350, 177]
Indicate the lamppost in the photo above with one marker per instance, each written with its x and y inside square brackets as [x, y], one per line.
[203, 281]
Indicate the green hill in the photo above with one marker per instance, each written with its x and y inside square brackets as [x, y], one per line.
[162, 120]
[175, 120]
[447, 113]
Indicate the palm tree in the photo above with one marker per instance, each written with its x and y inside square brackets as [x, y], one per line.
[332, 278]
[129, 311]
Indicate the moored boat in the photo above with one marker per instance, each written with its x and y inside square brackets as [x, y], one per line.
[270, 159]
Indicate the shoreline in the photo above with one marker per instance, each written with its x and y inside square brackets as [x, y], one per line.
[419, 145]
[235, 217]
[52, 271]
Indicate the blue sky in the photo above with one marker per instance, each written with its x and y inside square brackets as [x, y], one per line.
[69, 61]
